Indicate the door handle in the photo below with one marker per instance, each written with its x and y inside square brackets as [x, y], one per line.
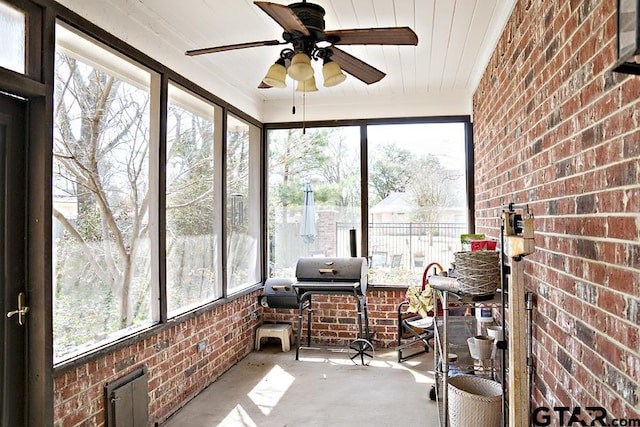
[22, 310]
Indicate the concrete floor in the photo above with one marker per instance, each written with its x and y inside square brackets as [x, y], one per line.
[324, 388]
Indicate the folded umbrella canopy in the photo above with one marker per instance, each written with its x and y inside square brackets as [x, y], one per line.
[308, 230]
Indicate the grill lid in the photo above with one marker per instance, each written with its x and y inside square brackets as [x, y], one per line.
[280, 293]
[333, 270]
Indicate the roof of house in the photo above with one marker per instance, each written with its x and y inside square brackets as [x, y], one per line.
[398, 202]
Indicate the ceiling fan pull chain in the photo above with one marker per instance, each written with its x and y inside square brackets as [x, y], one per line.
[293, 100]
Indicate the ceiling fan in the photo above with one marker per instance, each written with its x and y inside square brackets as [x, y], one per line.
[304, 29]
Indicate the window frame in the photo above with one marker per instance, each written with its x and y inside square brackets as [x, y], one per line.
[254, 199]
[363, 245]
[159, 98]
[33, 43]
[356, 126]
[217, 151]
[91, 53]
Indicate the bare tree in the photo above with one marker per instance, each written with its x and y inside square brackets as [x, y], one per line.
[101, 150]
[430, 187]
[101, 161]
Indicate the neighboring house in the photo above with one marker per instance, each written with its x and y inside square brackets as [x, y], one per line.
[398, 207]
[394, 208]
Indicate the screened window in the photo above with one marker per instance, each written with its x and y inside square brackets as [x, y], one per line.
[12, 34]
[416, 187]
[101, 198]
[242, 204]
[192, 215]
[417, 198]
[314, 194]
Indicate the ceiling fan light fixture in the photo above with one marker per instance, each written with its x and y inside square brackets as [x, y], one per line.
[308, 85]
[332, 73]
[300, 68]
[276, 75]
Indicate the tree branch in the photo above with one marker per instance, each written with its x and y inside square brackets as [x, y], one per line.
[89, 254]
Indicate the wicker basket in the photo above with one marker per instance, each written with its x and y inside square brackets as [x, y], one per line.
[474, 401]
[478, 272]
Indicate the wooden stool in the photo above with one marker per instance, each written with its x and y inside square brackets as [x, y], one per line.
[276, 330]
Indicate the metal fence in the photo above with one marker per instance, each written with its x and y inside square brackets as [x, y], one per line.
[398, 252]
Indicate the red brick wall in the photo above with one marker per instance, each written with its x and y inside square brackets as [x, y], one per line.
[327, 237]
[334, 318]
[553, 126]
[177, 371]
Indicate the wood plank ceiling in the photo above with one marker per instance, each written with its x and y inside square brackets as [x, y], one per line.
[437, 77]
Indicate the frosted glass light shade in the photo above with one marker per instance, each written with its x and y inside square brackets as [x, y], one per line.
[332, 74]
[308, 85]
[276, 76]
[300, 68]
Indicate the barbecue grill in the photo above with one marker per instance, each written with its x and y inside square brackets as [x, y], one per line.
[344, 276]
[279, 293]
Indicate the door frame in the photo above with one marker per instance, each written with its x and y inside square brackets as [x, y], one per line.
[37, 229]
[36, 86]
[39, 262]
[37, 224]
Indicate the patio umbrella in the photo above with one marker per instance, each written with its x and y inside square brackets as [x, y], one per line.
[308, 230]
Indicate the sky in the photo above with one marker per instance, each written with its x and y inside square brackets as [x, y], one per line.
[445, 140]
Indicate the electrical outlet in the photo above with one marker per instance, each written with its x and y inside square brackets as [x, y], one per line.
[253, 316]
[200, 346]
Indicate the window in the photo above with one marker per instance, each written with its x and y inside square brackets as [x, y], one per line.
[101, 198]
[416, 186]
[12, 34]
[314, 194]
[192, 213]
[242, 204]
[106, 233]
[417, 198]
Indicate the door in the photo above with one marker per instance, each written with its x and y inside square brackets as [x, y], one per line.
[14, 301]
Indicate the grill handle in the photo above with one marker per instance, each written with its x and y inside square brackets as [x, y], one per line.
[326, 271]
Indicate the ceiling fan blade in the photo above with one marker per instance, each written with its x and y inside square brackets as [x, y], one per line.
[357, 68]
[231, 47]
[382, 36]
[284, 16]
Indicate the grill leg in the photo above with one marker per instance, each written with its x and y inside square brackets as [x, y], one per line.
[309, 323]
[366, 318]
[360, 331]
[361, 305]
[361, 348]
[299, 328]
[303, 299]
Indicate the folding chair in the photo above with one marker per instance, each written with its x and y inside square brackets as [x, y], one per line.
[415, 318]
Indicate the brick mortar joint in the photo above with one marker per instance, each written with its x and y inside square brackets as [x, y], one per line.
[597, 331]
[560, 382]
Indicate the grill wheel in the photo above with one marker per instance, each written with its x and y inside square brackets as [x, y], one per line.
[361, 352]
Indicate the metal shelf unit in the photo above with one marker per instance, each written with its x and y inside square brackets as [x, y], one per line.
[443, 341]
[516, 242]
